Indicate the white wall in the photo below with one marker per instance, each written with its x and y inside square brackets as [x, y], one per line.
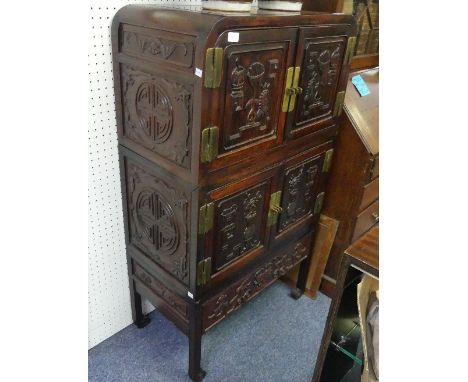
[108, 293]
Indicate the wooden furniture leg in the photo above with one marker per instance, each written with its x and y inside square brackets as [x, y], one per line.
[140, 319]
[303, 274]
[196, 373]
[301, 279]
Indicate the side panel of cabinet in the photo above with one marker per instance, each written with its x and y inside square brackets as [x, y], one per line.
[240, 231]
[156, 95]
[158, 211]
[157, 113]
[320, 55]
[246, 106]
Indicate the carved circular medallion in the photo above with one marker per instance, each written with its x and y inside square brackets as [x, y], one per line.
[155, 222]
[256, 70]
[154, 110]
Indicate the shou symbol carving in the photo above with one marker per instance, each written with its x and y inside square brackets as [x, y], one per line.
[158, 114]
[299, 189]
[155, 112]
[236, 296]
[240, 217]
[320, 78]
[157, 219]
[155, 222]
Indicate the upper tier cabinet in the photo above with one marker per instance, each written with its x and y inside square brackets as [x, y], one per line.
[203, 91]
[269, 87]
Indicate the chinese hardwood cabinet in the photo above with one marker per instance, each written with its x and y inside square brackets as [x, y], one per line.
[226, 126]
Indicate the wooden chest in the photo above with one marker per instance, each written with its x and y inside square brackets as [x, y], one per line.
[226, 126]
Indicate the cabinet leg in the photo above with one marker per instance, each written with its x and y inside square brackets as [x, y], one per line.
[301, 279]
[196, 373]
[140, 319]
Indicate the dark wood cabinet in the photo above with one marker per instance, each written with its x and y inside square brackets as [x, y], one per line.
[226, 127]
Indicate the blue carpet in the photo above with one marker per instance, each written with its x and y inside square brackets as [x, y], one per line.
[273, 338]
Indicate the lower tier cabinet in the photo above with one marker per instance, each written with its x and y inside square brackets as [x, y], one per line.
[199, 254]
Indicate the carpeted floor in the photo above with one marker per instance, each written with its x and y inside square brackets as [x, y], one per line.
[273, 338]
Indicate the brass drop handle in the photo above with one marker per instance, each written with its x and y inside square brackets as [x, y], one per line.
[375, 215]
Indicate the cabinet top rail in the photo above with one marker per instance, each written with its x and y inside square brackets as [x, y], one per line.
[204, 21]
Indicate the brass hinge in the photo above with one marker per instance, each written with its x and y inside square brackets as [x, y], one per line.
[205, 218]
[291, 89]
[213, 67]
[209, 144]
[327, 160]
[349, 50]
[275, 209]
[204, 271]
[319, 203]
[340, 96]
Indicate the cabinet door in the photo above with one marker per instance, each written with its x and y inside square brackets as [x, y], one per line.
[246, 105]
[320, 55]
[301, 183]
[239, 231]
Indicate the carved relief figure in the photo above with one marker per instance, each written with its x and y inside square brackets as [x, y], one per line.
[229, 249]
[251, 92]
[235, 297]
[298, 192]
[251, 206]
[320, 78]
[150, 45]
[293, 188]
[239, 219]
[237, 86]
[311, 176]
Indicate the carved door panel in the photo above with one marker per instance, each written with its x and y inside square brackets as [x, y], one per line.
[320, 56]
[239, 232]
[300, 184]
[247, 104]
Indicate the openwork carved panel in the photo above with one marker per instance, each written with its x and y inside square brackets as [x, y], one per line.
[253, 89]
[320, 72]
[240, 224]
[158, 216]
[299, 190]
[157, 114]
[233, 298]
[155, 45]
